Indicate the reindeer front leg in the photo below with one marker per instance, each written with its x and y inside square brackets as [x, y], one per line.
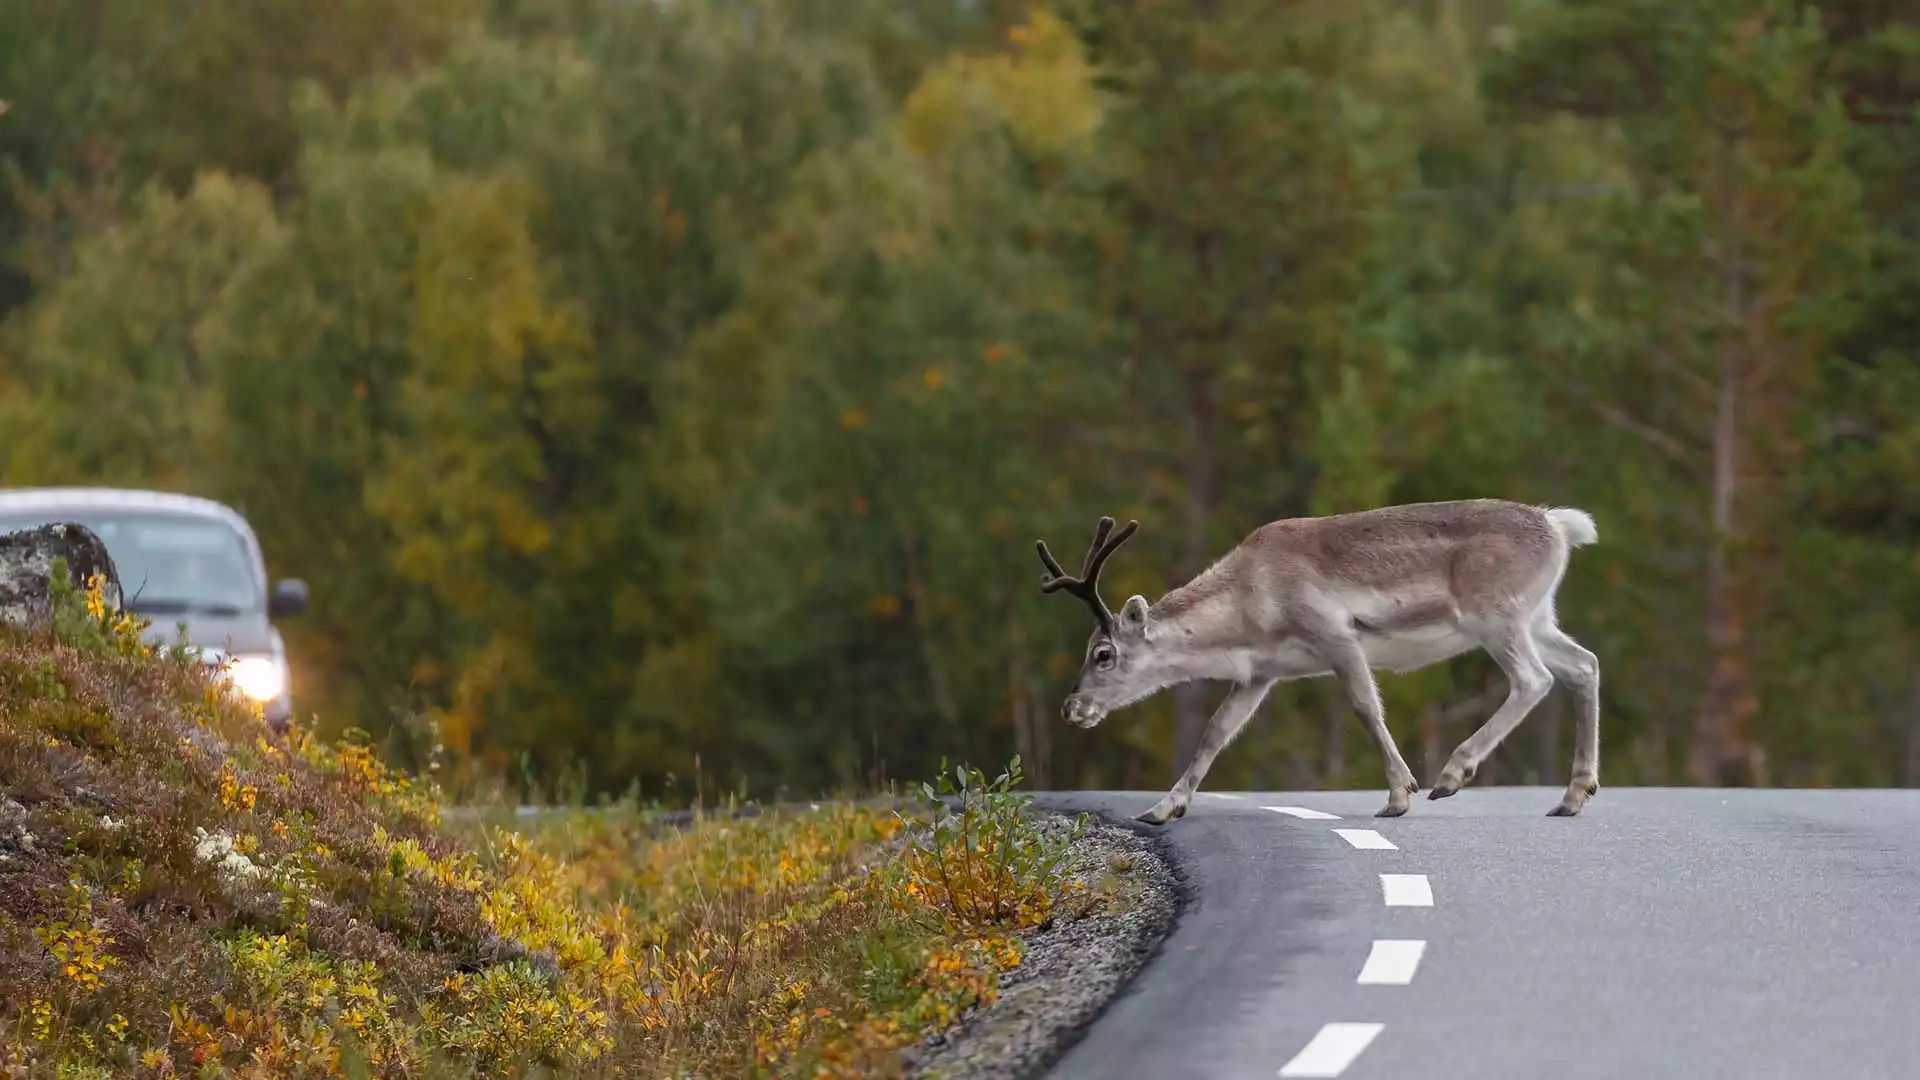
[1228, 719]
[1349, 662]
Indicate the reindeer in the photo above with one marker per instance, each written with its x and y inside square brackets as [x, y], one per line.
[1395, 588]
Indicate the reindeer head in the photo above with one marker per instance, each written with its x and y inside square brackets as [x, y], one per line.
[1116, 669]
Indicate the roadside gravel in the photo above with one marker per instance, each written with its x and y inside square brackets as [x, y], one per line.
[1072, 968]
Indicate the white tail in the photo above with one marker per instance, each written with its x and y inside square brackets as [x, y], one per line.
[1392, 589]
[1576, 525]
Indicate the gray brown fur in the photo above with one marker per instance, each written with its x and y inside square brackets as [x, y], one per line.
[1392, 589]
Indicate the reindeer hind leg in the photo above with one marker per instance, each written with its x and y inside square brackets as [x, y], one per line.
[1576, 666]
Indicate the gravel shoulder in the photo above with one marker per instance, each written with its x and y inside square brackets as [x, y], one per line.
[1073, 968]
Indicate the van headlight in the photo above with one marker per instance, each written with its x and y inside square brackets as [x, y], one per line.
[261, 678]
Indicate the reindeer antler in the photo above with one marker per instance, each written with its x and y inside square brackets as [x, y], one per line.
[1087, 585]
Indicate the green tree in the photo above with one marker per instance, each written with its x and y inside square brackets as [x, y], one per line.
[896, 401]
[1739, 254]
[563, 220]
[120, 384]
[100, 100]
[1243, 181]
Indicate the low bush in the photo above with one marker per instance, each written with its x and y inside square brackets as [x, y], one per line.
[983, 865]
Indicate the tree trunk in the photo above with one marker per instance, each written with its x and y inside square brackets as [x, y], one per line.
[1042, 771]
[920, 609]
[1339, 715]
[1911, 778]
[1019, 708]
[1433, 754]
[1190, 699]
[1724, 751]
[1030, 718]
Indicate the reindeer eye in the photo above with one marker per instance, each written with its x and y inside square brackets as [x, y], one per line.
[1103, 656]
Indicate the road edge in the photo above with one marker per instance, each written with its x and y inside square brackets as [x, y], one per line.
[1160, 839]
[1044, 1010]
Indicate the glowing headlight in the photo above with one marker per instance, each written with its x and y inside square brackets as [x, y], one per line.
[259, 677]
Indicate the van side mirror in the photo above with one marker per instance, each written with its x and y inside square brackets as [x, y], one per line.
[289, 598]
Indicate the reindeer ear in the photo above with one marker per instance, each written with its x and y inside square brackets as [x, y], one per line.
[1134, 612]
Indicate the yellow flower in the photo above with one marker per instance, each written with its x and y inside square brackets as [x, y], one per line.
[233, 794]
[42, 1014]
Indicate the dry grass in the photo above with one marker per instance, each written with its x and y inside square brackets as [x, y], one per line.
[183, 893]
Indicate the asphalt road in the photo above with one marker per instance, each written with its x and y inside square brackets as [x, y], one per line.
[1687, 933]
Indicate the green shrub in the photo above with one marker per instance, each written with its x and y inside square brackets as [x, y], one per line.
[985, 863]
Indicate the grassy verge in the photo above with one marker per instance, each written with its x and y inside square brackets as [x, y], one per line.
[183, 893]
[816, 943]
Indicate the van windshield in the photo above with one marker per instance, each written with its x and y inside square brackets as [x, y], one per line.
[169, 564]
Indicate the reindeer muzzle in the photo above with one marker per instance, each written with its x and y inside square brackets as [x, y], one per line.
[1080, 712]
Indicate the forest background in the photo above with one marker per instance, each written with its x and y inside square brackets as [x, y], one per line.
[670, 393]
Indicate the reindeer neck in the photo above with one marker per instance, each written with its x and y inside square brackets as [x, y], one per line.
[1201, 626]
[1186, 609]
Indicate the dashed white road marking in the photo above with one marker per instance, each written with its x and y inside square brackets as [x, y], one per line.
[1331, 1050]
[1392, 963]
[1366, 839]
[1302, 812]
[1222, 795]
[1406, 890]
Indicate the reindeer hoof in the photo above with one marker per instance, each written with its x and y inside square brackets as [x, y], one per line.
[1160, 815]
[1452, 779]
[1575, 799]
[1390, 810]
[1578, 792]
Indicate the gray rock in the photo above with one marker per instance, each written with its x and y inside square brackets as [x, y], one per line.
[1071, 969]
[205, 740]
[26, 570]
[14, 837]
[497, 949]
